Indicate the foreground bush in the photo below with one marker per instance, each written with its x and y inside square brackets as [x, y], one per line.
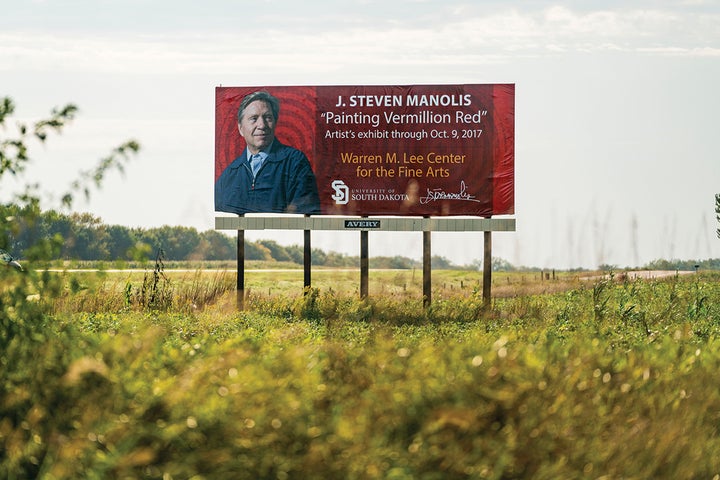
[612, 380]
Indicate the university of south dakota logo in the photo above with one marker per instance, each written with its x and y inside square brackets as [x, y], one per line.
[342, 192]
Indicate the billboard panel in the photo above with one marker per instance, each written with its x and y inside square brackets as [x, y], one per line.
[425, 150]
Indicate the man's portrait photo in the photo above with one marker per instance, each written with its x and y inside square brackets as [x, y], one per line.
[267, 176]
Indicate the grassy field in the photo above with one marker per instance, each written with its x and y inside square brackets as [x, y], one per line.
[119, 374]
[267, 279]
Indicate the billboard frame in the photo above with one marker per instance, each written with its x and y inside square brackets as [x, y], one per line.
[381, 168]
[364, 225]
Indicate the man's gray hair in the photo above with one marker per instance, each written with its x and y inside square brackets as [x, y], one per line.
[262, 96]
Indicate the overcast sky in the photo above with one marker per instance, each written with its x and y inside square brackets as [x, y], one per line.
[617, 104]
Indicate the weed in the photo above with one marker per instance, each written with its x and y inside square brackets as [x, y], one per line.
[601, 297]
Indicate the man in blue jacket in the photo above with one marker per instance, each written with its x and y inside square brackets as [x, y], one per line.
[268, 177]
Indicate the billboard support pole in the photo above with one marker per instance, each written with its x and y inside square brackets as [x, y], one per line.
[241, 269]
[487, 269]
[364, 264]
[427, 269]
[426, 225]
[307, 262]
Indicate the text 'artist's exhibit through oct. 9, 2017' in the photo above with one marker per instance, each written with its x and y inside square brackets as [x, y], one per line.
[418, 157]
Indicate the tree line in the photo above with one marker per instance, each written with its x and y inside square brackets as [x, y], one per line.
[53, 235]
[50, 234]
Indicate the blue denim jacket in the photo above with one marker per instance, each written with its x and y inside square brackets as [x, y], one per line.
[285, 183]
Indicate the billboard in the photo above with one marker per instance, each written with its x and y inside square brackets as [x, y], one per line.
[417, 150]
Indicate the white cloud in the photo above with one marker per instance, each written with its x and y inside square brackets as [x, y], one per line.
[470, 38]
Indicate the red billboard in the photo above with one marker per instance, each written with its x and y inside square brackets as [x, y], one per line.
[418, 150]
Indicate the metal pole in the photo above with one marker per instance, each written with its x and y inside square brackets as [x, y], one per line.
[364, 264]
[307, 262]
[487, 269]
[241, 269]
[427, 269]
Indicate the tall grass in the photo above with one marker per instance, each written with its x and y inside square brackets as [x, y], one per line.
[611, 380]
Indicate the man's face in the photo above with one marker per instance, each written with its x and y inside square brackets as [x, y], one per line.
[257, 126]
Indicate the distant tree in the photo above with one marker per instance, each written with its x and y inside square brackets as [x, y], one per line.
[257, 251]
[121, 242]
[177, 242]
[90, 237]
[57, 223]
[401, 262]
[681, 265]
[147, 240]
[501, 265]
[277, 251]
[335, 259]
[218, 246]
[297, 253]
[438, 261]
[318, 256]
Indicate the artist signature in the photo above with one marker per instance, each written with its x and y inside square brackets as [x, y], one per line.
[439, 194]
